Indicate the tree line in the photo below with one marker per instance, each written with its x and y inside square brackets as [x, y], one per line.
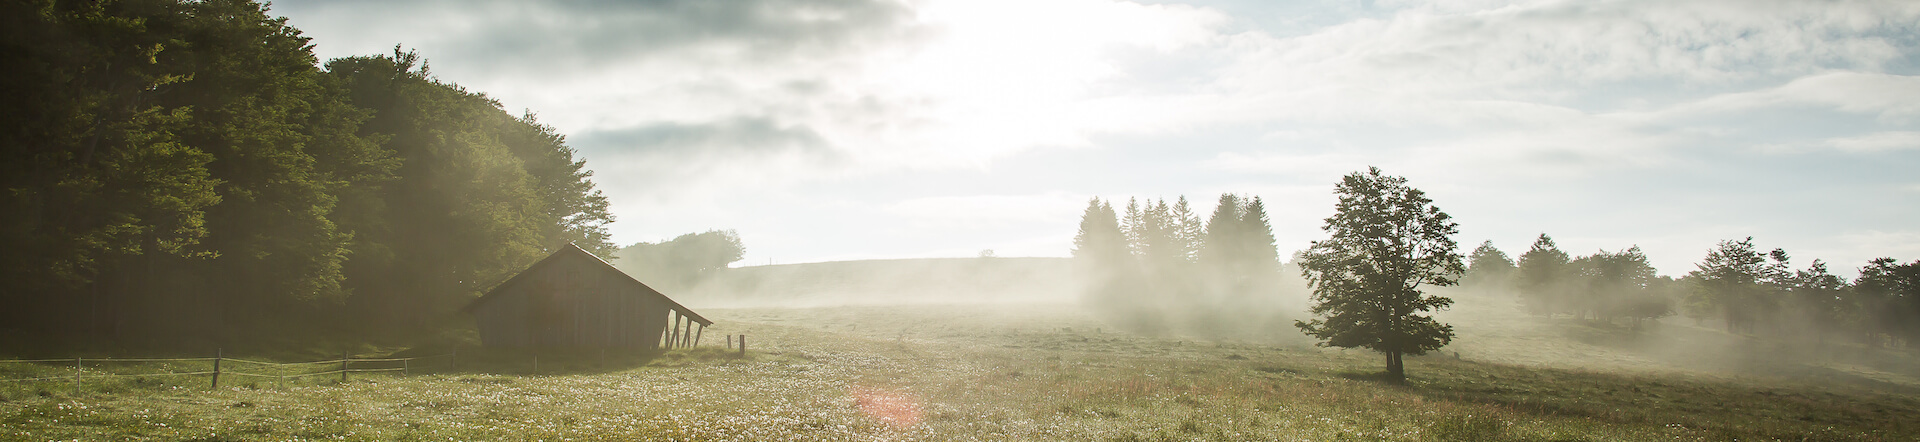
[1745, 289]
[1158, 267]
[1387, 242]
[679, 263]
[179, 174]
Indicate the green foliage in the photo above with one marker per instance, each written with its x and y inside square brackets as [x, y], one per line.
[1888, 296]
[1189, 232]
[1164, 269]
[1540, 276]
[1386, 239]
[181, 173]
[1488, 267]
[1605, 285]
[682, 260]
[1741, 284]
[1100, 240]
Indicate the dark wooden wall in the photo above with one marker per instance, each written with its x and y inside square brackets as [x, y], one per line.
[575, 302]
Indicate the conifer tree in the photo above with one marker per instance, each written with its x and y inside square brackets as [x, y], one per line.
[1258, 254]
[1161, 247]
[1220, 244]
[1540, 276]
[1190, 232]
[1134, 225]
[1100, 242]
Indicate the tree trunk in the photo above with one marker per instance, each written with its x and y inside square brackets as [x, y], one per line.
[1396, 368]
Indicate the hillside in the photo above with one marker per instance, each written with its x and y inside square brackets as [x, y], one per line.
[880, 282]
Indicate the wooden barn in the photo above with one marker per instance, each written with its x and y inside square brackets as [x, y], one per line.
[572, 299]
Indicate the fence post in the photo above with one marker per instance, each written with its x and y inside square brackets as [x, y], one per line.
[743, 346]
[76, 375]
[343, 365]
[404, 370]
[536, 363]
[217, 353]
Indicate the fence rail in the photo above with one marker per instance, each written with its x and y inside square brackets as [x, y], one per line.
[81, 372]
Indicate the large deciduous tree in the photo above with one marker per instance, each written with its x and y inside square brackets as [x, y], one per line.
[1487, 267]
[1386, 240]
[180, 174]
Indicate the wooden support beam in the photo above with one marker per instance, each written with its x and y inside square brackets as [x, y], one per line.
[674, 339]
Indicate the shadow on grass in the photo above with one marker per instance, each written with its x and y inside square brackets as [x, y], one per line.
[545, 362]
[1380, 377]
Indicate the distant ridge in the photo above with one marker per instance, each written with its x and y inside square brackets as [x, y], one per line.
[885, 282]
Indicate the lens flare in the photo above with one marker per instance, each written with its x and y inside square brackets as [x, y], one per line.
[897, 409]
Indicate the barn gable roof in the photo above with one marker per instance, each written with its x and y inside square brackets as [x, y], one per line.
[571, 249]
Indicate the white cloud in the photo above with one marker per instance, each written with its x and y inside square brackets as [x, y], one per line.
[710, 110]
[1889, 98]
[974, 212]
[1878, 142]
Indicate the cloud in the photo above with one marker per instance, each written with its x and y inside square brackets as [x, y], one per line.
[739, 135]
[1878, 142]
[976, 212]
[673, 161]
[571, 34]
[1565, 115]
[1889, 98]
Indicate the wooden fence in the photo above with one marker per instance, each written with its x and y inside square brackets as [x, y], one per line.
[279, 372]
[223, 366]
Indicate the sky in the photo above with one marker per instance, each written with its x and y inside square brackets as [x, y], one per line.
[825, 130]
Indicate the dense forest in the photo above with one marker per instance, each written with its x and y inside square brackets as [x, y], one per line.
[181, 175]
[1159, 268]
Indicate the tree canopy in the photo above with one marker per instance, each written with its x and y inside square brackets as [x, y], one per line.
[1385, 241]
[682, 260]
[1488, 267]
[1157, 266]
[180, 174]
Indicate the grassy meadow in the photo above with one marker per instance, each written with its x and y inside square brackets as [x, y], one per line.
[1021, 372]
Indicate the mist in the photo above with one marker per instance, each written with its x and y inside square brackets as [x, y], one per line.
[234, 220]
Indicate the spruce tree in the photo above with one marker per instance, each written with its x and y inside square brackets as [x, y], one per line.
[1134, 225]
[1258, 254]
[1220, 244]
[1540, 276]
[1100, 244]
[1190, 231]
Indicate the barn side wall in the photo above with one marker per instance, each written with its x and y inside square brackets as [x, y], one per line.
[573, 303]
